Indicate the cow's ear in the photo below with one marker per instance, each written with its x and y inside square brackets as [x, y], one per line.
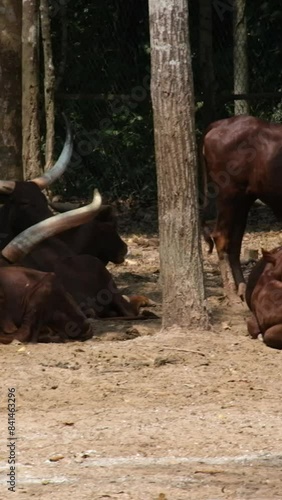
[268, 256]
[106, 214]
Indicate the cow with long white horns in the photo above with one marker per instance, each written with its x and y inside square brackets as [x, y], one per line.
[25, 205]
[32, 301]
[61, 288]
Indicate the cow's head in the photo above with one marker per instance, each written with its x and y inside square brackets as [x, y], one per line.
[274, 257]
[110, 246]
[23, 243]
[26, 206]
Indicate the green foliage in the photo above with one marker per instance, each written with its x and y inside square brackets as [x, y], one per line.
[108, 63]
[116, 155]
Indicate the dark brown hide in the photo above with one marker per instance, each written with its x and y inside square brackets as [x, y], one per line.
[31, 300]
[27, 205]
[85, 278]
[264, 298]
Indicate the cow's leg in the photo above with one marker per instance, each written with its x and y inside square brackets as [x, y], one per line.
[253, 327]
[7, 325]
[6, 338]
[242, 208]
[273, 337]
[228, 235]
[35, 306]
[221, 236]
[30, 327]
[138, 301]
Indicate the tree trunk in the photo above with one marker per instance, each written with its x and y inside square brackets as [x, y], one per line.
[174, 126]
[206, 61]
[241, 76]
[30, 89]
[64, 46]
[11, 92]
[49, 83]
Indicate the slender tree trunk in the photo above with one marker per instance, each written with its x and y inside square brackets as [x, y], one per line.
[64, 46]
[49, 83]
[30, 89]
[206, 61]
[241, 71]
[11, 92]
[174, 126]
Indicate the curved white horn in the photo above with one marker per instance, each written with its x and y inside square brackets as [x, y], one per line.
[61, 164]
[22, 244]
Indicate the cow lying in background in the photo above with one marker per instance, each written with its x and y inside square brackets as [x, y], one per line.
[31, 300]
[99, 237]
[26, 205]
[264, 298]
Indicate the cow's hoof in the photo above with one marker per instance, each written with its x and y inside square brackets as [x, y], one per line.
[242, 291]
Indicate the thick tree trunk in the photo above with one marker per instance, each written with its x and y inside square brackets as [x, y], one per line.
[30, 89]
[11, 92]
[49, 83]
[241, 71]
[174, 125]
[206, 61]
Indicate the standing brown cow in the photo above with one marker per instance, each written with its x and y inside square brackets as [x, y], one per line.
[243, 157]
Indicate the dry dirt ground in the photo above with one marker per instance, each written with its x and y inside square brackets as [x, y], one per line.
[135, 414]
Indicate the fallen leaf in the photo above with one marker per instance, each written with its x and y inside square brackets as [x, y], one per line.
[56, 458]
[225, 325]
[22, 349]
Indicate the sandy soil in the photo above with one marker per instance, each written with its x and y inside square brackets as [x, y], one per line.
[135, 414]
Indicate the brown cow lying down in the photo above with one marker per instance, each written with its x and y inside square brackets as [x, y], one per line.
[83, 276]
[264, 298]
[31, 300]
[80, 278]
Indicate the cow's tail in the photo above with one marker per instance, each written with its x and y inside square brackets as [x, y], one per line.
[203, 198]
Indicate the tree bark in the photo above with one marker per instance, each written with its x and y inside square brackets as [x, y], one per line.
[49, 83]
[30, 89]
[241, 71]
[11, 92]
[174, 127]
[206, 61]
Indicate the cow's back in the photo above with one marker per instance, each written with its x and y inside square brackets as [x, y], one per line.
[249, 151]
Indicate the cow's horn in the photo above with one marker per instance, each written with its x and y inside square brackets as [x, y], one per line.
[61, 164]
[28, 239]
[7, 187]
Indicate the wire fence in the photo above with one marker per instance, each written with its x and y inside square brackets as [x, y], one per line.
[105, 91]
[105, 84]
